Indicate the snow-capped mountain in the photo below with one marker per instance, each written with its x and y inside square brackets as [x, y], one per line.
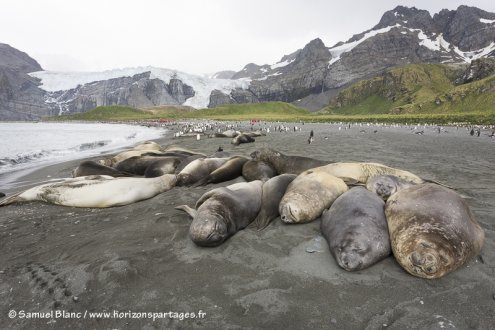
[309, 77]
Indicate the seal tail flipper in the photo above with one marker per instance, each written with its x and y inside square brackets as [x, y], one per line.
[11, 199]
[189, 210]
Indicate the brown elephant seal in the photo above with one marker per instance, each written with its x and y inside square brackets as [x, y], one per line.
[198, 169]
[185, 151]
[161, 166]
[258, 170]
[95, 191]
[89, 167]
[286, 164]
[230, 170]
[356, 229]
[222, 212]
[362, 172]
[186, 161]
[242, 138]
[128, 154]
[432, 230]
[139, 164]
[308, 195]
[273, 191]
[387, 185]
[148, 145]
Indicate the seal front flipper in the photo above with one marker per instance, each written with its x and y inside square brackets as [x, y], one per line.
[352, 182]
[189, 210]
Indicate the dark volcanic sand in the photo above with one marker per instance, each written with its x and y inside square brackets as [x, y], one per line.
[139, 257]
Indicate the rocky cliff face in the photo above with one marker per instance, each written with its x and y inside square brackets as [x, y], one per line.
[20, 97]
[136, 91]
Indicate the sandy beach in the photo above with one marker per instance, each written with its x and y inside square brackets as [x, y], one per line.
[136, 260]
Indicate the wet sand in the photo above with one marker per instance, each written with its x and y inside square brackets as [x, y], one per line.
[139, 258]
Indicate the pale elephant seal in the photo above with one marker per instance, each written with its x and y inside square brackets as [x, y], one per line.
[287, 164]
[198, 169]
[356, 230]
[362, 172]
[128, 154]
[95, 191]
[432, 230]
[148, 145]
[387, 185]
[258, 170]
[186, 161]
[242, 138]
[89, 167]
[222, 212]
[273, 191]
[138, 165]
[308, 195]
[230, 170]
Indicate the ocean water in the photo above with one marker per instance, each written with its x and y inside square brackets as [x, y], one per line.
[26, 146]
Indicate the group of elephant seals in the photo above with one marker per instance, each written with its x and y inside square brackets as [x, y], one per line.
[309, 195]
[286, 164]
[89, 167]
[273, 191]
[356, 229]
[230, 170]
[257, 170]
[432, 230]
[386, 185]
[222, 212]
[95, 191]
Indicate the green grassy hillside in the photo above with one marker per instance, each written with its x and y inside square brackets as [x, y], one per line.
[415, 89]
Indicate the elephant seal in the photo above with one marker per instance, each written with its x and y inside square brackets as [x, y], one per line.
[356, 230]
[148, 145]
[161, 166]
[139, 164]
[175, 148]
[242, 138]
[89, 167]
[222, 212]
[361, 172]
[198, 169]
[286, 164]
[128, 154]
[308, 195]
[230, 170]
[432, 230]
[95, 191]
[186, 161]
[273, 191]
[386, 185]
[257, 170]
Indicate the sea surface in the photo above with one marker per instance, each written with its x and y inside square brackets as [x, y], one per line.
[25, 146]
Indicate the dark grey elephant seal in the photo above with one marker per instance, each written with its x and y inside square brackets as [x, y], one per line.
[198, 169]
[222, 212]
[161, 166]
[273, 191]
[138, 164]
[432, 230]
[2, 194]
[186, 161]
[89, 167]
[258, 170]
[386, 185]
[242, 138]
[287, 164]
[356, 230]
[230, 170]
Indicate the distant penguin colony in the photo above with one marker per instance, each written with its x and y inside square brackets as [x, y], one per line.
[368, 211]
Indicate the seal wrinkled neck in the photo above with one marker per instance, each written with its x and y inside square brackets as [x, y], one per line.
[207, 230]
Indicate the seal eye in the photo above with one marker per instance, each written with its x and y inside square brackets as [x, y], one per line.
[425, 245]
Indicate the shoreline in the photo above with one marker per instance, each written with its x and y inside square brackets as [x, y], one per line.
[140, 258]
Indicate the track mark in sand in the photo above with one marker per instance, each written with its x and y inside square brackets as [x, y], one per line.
[49, 283]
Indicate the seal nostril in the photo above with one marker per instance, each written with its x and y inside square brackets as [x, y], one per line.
[416, 259]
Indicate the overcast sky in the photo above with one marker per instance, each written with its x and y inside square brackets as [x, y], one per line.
[195, 36]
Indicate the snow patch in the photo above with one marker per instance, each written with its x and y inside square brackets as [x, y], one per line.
[281, 64]
[487, 21]
[52, 81]
[337, 51]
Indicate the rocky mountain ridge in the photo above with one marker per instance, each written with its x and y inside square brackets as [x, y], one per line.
[310, 77]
